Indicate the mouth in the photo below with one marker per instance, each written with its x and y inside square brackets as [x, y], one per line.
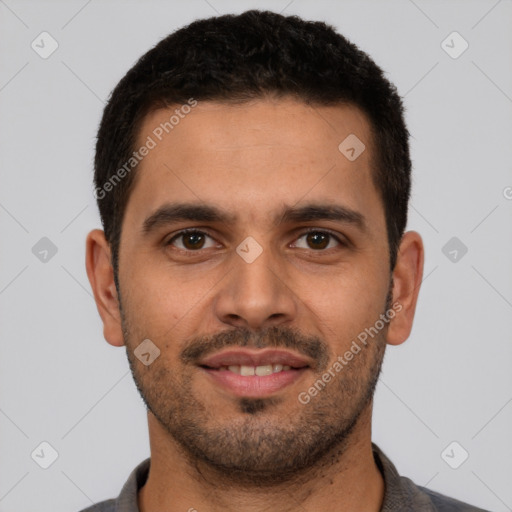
[249, 371]
[254, 374]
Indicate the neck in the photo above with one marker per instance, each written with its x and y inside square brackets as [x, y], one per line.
[345, 480]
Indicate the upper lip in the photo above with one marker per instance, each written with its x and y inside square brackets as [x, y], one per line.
[245, 357]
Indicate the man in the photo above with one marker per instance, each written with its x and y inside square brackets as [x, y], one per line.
[252, 174]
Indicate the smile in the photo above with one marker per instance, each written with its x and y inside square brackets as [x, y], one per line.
[254, 374]
[260, 371]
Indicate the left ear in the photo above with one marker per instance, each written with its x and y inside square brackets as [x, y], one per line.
[407, 277]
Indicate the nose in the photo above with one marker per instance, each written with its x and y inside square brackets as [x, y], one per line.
[256, 295]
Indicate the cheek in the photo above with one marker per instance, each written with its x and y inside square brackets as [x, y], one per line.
[348, 302]
[162, 301]
[156, 311]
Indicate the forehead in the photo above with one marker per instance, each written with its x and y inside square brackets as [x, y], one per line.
[255, 157]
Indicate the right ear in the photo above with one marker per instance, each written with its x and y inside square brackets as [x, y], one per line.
[101, 276]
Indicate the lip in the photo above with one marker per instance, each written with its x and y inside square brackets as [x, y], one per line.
[247, 357]
[254, 386]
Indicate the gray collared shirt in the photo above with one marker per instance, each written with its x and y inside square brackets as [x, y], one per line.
[400, 494]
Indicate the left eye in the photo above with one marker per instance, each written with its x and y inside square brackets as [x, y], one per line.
[317, 240]
[191, 240]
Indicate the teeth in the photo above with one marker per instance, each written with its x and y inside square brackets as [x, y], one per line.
[260, 371]
[246, 371]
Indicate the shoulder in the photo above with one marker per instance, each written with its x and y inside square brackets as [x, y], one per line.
[402, 494]
[104, 506]
[444, 503]
[127, 499]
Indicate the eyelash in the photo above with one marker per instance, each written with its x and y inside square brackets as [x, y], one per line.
[302, 234]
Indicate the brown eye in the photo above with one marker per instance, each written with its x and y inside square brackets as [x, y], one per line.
[317, 240]
[191, 240]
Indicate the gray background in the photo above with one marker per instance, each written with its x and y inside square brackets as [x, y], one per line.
[60, 382]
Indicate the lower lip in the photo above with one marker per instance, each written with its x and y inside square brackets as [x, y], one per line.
[254, 386]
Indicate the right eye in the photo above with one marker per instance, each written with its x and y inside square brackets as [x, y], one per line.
[191, 240]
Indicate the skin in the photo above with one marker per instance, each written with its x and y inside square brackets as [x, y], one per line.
[251, 160]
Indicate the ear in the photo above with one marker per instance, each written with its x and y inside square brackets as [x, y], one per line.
[101, 277]
[407, 276]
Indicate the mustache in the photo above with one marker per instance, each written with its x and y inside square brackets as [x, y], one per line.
[272, 337]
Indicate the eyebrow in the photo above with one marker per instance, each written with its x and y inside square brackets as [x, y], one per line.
[176, 212]
[334, 212]
[169, 213]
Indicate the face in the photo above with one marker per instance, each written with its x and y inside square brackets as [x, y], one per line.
[253, 253]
